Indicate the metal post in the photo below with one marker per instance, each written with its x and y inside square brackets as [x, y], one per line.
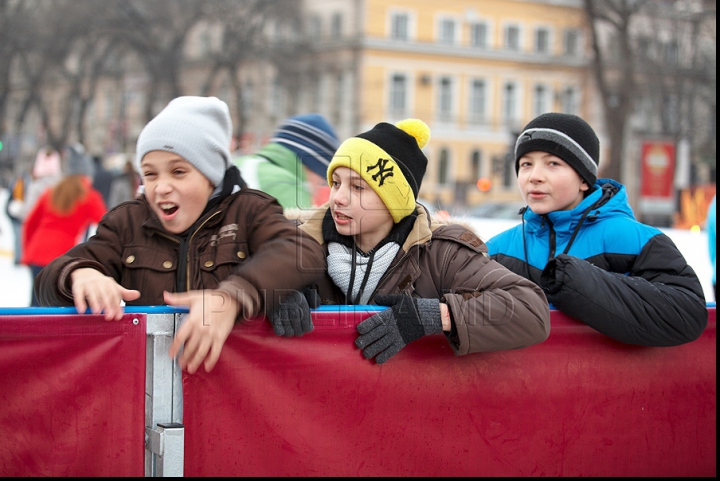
[164, 440]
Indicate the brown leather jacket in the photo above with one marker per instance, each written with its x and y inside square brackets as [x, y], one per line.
[491, 307]
[244, 243]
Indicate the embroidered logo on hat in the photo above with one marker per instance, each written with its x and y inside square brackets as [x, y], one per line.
[382, 171]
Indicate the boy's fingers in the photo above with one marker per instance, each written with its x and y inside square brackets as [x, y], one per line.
[213, 356]
[130, 295]
[198, 356]
[178, 342]
[177, 299]
[80, 304]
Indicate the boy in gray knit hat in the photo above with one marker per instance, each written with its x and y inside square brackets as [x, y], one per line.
[580, 242]
[195, 237]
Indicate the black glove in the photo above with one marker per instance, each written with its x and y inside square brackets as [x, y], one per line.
[553, 275]
[292, 316]
[408, 319]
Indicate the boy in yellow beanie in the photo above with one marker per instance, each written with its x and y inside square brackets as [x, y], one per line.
[382, 247]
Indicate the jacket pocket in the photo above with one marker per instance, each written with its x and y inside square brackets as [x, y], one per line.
[148, 270]
[223, 258]
[140, 257]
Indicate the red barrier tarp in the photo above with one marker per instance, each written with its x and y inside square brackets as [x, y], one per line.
[72, 396]
[578, 404]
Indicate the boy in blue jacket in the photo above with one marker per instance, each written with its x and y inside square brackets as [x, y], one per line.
[580, 242]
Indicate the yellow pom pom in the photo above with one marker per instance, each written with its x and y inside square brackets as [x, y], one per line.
[417, 128]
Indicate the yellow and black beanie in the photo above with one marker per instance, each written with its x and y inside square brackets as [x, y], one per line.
[389, 158]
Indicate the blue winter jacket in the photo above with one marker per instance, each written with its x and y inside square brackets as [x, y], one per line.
[599, 265]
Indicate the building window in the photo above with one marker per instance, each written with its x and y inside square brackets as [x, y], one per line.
[478, 35]
[512, 37]
[444, 168]
[278, 99]
[643, 47]
[670, 112]
[509, 102]
[398, 95]
[509, 175]
[315, 27]
[316, 101]
[446, 31]
[205, 46]
[540, 100]
[476, 167]
[570, 42]
[109, 106]
[336, 25]
[671, 51]
[478, 93]
[569, 101]
[542, 40]
[445, 99]
[339, 98]
[399, 26]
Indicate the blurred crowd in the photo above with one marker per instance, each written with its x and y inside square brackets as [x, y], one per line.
[59, 201]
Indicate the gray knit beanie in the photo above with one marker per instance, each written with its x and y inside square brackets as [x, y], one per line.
[198, 129]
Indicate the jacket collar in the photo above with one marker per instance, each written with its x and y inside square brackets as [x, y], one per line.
[608, 199]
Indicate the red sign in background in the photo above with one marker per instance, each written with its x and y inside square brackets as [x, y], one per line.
[658, 169]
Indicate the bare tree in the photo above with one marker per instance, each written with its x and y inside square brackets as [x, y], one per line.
[656, 58]
[246, 38]
[43, 52]
[614, 70]
[156, 30]
[14, 22]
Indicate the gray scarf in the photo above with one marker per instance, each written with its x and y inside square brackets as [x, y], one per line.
[340, 268]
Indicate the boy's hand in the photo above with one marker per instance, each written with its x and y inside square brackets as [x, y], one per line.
[292, 315]
[208, 324]
[91, 288]
[382, 335]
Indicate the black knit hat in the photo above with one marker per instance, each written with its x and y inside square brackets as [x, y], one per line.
[567, 136]
[375, 154]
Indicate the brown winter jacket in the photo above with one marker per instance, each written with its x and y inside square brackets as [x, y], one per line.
[491, 307]
[244, 243]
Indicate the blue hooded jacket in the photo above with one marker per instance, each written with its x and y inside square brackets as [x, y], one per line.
[598, 264]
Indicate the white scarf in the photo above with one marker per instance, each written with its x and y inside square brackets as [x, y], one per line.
[340, 265]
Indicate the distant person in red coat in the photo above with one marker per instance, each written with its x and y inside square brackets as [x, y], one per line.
[62, 214]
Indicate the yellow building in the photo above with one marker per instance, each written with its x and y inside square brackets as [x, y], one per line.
[476, 71]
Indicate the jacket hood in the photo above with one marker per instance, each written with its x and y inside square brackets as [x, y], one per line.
[282, 157]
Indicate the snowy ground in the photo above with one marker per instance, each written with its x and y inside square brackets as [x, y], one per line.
[15, 282]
